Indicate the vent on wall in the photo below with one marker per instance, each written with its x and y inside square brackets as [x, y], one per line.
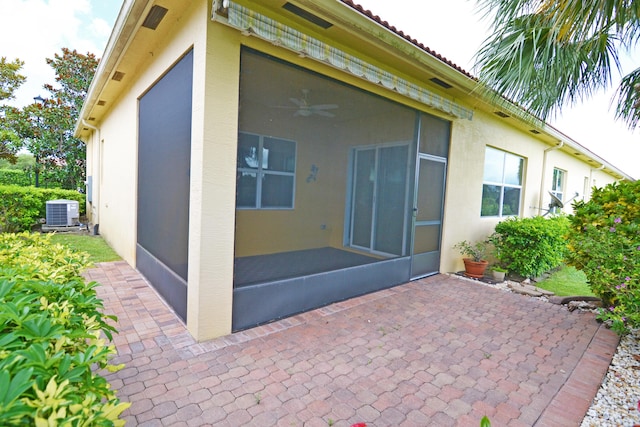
[441, 83]
[307, 15]
[534, 131]
[155, 15]
[501, 114]
[117, 76]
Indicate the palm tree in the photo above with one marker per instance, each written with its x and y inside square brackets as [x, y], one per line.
[544, 54]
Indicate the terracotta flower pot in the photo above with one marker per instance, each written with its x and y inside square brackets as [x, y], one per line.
[474, 269]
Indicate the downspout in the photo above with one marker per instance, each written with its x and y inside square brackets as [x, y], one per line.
[591, 171]
[96, 181]
[544, 172]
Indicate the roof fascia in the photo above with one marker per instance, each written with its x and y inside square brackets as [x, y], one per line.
[124, 30]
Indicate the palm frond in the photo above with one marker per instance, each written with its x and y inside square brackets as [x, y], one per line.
[545, 54]
[530, 64]
[628, 99]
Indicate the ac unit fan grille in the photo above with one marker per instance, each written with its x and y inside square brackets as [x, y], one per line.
[56, 214]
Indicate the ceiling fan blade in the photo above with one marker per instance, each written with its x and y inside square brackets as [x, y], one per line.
[298, 102]
[324, 106]
[323, 113]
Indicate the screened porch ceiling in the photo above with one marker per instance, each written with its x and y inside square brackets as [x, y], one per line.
[276, 94]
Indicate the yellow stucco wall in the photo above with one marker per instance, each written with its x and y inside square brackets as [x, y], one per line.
[112, 158]
[213, 181]
[466, 167]
[211, 211]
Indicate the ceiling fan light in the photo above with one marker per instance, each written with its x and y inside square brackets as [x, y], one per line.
[304, 112]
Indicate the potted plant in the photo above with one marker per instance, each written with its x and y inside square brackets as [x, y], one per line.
[498, 273]
[475, 254]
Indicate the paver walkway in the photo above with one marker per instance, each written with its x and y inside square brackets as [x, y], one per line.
[442, 351]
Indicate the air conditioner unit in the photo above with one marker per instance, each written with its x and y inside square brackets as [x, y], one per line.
[63, 213]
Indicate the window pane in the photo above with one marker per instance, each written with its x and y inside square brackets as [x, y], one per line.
[391, 199]
[277, 191]
[246, 189]
[513, 169]
[558, 177]
[511, 202]
[490, 200]
[248, 151]
[279, 155]
[364, 177]
[493, 165]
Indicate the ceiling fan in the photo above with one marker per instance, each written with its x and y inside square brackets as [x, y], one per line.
[305, 109]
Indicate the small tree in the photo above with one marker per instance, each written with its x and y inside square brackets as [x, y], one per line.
[604, 242]
[46, 126]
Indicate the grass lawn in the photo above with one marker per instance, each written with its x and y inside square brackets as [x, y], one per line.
[567, 281]
[95, 246]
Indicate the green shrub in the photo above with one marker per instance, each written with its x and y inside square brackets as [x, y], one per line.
[22, 207]
[25, 176]
[15, 177]
[51, 344]
[531, 246]
[604, 242]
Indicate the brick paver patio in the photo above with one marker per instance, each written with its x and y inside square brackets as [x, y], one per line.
[442, 351]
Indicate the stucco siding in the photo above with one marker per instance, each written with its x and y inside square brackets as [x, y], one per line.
[213, 179]
[466, 166]
[218, 231]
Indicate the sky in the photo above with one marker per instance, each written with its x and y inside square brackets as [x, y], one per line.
[33, 30]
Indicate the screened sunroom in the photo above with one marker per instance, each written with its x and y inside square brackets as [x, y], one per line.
[340, 192]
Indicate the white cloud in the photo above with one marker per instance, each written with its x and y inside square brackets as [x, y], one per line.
[101, 28]
[34, 30]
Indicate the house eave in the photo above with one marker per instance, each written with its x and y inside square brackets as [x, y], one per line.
[354, 29]
[123, 31]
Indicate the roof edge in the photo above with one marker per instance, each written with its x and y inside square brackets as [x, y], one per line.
[123, 31]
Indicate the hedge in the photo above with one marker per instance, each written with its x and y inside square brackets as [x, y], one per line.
[531, 246]
[15, 177]
[22, 207]
[51, 338]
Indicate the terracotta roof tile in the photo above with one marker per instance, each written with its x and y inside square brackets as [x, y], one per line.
[400, 33]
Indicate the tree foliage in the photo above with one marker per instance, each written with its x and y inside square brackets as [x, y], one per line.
[545, 54]
[605, 243]
[46, 128]
[10, 81]
[63, 153]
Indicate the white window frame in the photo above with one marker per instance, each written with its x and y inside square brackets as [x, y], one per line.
[502, 184]
[261, 172]
[558, 192]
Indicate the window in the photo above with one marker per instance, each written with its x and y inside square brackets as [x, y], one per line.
[557, 186]
[266, 172]
[502, 183]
